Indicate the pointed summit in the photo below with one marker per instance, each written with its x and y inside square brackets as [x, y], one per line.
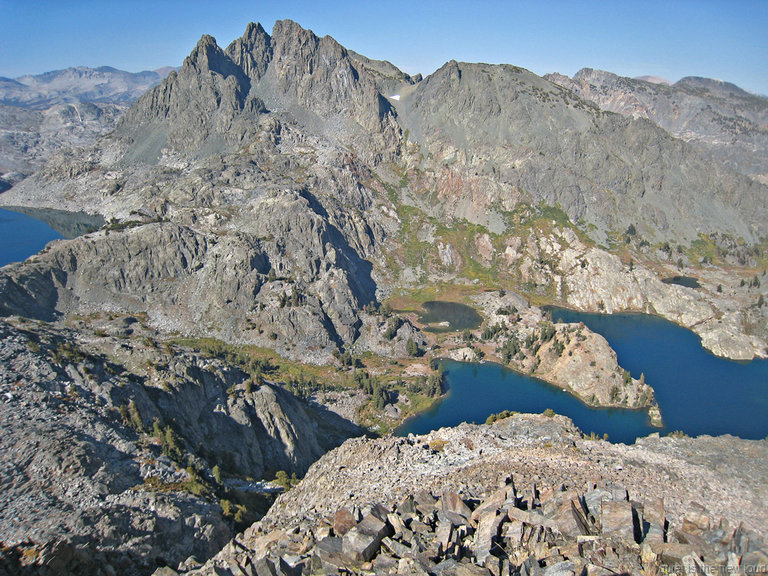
[207, 56]
[292, 42]
[254, 30]
[202, 52]
[206, 96]
[252, 52]
[321, 75]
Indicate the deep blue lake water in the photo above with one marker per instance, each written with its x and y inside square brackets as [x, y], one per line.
[697, 392]
[477, 390]
[21, 236]
[26, 231]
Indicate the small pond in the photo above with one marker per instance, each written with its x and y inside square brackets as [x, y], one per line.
[686, 281]
[442, 316]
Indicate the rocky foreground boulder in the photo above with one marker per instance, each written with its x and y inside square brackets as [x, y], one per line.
[556, 532]
[527, 495]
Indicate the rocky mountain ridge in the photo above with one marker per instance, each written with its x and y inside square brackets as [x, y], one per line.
[294, 124]
[323, 89]
[499, 135]
[717, 117]
[440, 503]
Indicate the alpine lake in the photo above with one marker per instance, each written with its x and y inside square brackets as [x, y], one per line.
[697, 392]
[26, 231]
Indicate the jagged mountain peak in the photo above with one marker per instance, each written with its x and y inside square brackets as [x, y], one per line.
[205, 41]
[288, 28]
[291, 41]
[254, 30]
[208, 56]
[203, 98]
[252, 51]
[292, 73]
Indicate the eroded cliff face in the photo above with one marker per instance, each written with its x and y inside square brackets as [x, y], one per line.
[598, 281]
[107, 441]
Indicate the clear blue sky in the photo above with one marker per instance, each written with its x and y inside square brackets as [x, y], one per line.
[674, 38]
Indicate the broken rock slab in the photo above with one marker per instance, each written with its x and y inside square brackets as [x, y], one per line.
[617, 519]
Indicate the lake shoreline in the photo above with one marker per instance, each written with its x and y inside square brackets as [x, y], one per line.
[687, 405]
[496, 362]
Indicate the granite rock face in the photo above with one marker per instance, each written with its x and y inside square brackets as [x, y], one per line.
[233, 287]
[85, 470]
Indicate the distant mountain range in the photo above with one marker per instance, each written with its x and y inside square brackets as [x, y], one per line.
[42, 114]
[719, 118]
[96, 85]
